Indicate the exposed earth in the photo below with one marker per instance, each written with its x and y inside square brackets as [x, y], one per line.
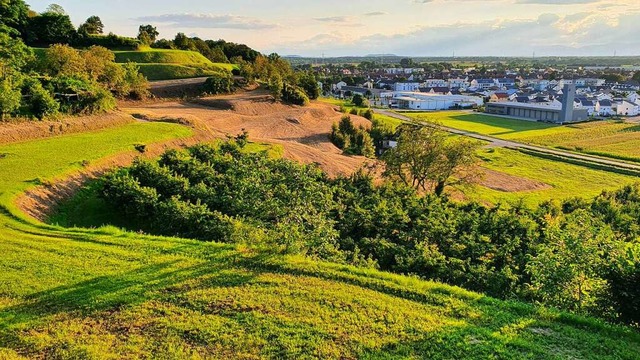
[301, 131]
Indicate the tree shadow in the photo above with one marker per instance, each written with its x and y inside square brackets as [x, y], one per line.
[113, 292]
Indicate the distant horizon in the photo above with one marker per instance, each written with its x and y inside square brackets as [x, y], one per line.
[501, 28]
[459, 57]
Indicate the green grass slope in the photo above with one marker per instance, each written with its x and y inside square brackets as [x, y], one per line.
[161, 56]
[104, 293]
[161, 64]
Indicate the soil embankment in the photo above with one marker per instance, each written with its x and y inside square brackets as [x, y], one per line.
[302, 131]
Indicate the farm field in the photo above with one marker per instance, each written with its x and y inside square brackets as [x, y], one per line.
[533, 179]
[612, 139]
[96, 293]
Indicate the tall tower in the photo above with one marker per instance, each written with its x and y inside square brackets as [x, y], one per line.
[569, 95]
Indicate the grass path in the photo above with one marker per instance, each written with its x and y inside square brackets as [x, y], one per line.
[104, 293]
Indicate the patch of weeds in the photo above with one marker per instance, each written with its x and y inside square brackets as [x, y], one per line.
[141, 148]
[40, 181]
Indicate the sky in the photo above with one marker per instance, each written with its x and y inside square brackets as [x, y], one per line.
[401, 27]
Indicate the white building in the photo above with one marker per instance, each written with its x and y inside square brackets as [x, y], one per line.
[431, 83]
[625, 108]
[458, 83]
[429, 101]
[406, 86]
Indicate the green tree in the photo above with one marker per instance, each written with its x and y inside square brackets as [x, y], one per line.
[427, 159]
[92, 26]
[182, 42]
[50, 28]
[147, 34]
[56, 9]
[14, 55]
[359, 101]
[568, 270]
[96, 60]
[406, 63]
[63, 60]
[14, 14]
[309, 83]
[276, 86]
[9, 99]
[41, 102]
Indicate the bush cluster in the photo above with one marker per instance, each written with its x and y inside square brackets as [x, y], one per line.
[578, 255]
[353, 140]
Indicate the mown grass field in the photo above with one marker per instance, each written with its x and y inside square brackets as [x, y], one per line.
[611, 138]
[104, 293]
[155, 72]
[565, 180]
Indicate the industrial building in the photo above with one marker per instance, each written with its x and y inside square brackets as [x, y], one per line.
[547, 112]
[431, 101]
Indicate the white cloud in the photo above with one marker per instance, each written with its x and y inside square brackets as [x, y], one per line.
[209, 21]
[584, 33]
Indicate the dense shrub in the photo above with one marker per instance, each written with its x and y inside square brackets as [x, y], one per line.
[86, 97]
[111, 41]
[354, 141]
[40, 102]
[219, 83]
[579, 256]
[294, 95]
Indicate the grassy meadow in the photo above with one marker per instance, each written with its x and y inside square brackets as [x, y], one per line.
[71, 293]
[609, 138]
[563, 180]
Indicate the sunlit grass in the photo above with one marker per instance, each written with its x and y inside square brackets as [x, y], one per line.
[106, 293]
[610, 138]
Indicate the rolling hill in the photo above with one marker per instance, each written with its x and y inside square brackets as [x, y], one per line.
[160, 64]
[106, 293]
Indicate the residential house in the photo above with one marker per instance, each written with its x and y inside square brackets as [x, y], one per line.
[626, 108]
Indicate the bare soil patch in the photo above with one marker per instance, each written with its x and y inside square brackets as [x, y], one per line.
[509, 183]
[302, 131]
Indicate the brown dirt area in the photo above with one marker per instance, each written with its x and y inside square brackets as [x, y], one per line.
[302, 131]
[509, 183]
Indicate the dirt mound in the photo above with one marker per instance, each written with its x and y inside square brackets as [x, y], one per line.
[302, 131]
[509, 183]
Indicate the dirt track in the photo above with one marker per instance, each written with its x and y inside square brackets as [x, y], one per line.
[302, 131]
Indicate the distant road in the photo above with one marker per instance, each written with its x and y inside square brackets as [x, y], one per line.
[177, 82]
[518, 145]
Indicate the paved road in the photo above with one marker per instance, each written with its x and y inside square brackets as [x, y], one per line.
[517, 145]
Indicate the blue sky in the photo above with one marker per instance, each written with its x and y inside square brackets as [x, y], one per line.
[403, 27]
